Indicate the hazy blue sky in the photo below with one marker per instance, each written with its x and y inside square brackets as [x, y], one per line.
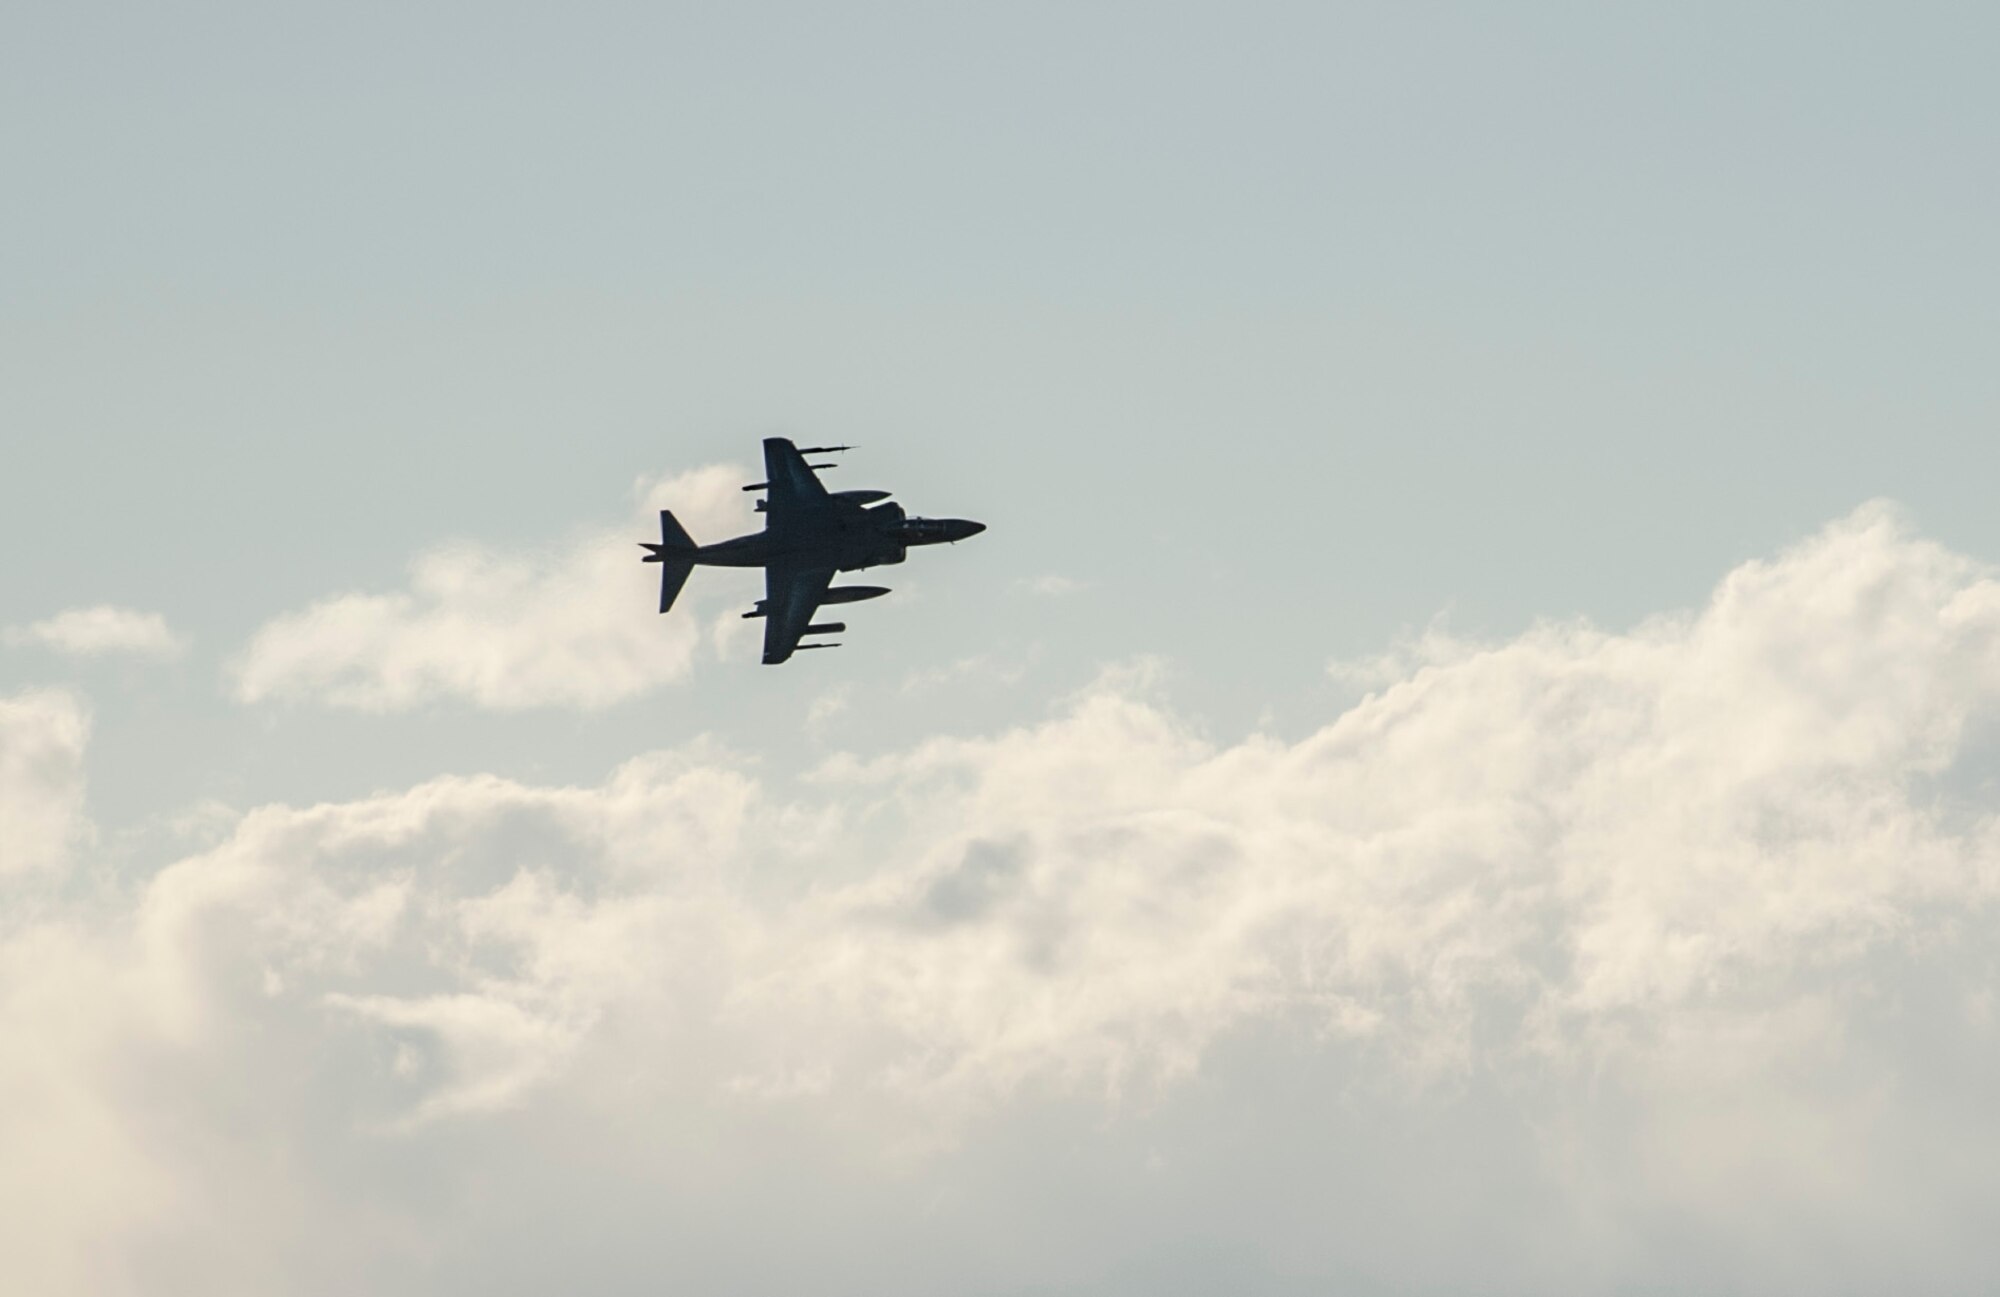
[1354, 820]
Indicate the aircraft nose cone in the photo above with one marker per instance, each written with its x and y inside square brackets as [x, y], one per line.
[966, 527]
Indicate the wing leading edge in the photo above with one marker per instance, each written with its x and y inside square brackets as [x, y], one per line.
[788, 479]
[792, 593]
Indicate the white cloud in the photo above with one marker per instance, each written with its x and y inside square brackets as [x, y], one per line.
[576, 627]
[1614, 960]
[42, 736]
[91, 632]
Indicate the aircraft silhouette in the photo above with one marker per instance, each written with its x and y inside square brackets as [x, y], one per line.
[809, 534]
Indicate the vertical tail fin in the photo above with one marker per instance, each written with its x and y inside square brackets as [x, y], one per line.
[674, 554]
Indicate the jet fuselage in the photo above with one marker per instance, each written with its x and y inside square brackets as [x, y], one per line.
[840, 534]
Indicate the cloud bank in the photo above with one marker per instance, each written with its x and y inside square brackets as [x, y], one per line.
[1700, 916]
[571, 628]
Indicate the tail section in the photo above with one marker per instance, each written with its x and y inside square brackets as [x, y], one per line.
[675, 555]
[672, 534]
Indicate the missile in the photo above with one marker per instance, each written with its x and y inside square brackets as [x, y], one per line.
[861, 497]
[823, 450]
[758, 486]
[825, 628]
[822, 466]
[803, 647]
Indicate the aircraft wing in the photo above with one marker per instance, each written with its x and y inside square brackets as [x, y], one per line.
[788, 479]
[792, 592]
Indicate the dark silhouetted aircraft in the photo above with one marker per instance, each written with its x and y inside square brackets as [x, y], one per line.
[809, 534]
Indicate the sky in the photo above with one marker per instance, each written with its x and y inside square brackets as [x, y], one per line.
[1464, 762]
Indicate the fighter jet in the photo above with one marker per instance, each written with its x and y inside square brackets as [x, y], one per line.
[809, 534]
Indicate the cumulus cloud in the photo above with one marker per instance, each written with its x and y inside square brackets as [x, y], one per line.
[42, 736]
[500, 629]
[92, 632]
[1680, 937]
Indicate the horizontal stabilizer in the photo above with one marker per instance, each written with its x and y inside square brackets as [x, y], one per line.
[673, 575]
[672, 534]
